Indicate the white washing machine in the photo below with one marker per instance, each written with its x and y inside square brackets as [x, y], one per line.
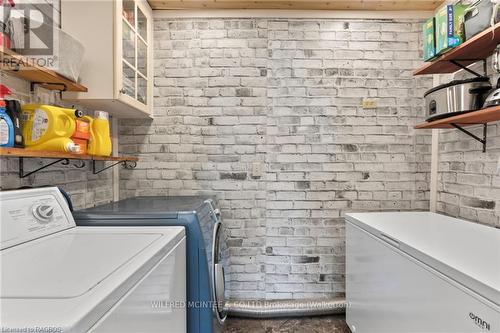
[56, 277]
[421, 272]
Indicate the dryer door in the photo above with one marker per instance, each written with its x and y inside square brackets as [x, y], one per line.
[217, 280]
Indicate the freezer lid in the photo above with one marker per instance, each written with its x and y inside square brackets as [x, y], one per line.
[69, 264]
[467, 252]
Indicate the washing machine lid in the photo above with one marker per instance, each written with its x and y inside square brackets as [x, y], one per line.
[71, 279]
[466, 252]
[68, 264]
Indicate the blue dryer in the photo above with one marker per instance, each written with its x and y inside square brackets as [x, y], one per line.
[205, 274]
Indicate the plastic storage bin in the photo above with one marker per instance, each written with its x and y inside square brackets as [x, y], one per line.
[478, 17]
[68, 51]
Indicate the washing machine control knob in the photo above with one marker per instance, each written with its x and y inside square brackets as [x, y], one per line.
[43, 213]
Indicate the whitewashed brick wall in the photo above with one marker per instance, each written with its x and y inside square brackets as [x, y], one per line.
[285, 94]
[469, 181]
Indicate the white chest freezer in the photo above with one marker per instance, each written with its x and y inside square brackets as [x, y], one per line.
[421, 272]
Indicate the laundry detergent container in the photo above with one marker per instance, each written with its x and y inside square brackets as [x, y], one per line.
[47, 127]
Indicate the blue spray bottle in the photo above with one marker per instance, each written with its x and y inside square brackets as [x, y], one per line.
[6, 125]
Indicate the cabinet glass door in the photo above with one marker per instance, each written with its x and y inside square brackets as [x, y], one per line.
[135, 52]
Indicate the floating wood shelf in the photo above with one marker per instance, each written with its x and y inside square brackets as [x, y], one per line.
[481, 117]
[64, 158]
[479, 47]
[468, 119]
[23, 67]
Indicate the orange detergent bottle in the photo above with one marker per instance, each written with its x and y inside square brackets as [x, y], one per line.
[81, 136]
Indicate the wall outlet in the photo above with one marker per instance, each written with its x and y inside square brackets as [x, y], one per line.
[369, 103]
[256, 169]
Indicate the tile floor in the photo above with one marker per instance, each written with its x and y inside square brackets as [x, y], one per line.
[323, 324]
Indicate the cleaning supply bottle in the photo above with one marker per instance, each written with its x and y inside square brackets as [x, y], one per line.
[41, 123]
[58, 144]
[13, 109]
[6, 125]
[100, 139]
[81, 136]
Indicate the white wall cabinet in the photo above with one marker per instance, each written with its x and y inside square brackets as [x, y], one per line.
[118, 63]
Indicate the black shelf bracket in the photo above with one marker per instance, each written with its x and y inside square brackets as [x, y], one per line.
[79, 164]
[483, 140]
[22, 174]
[465, 68]
[126, 164]
[64, 87]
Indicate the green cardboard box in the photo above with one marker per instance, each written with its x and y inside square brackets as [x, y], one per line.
[429, 39]
[449, 27]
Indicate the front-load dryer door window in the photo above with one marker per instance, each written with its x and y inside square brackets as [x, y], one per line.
[218, 281]
[216, 250]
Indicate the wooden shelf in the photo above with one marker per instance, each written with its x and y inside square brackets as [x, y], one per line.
[21, 152]
[479, 47]
[23, 67]
[480, 117]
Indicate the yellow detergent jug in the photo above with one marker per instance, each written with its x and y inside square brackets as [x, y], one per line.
[42, 123]
[58, 144]
[100, 139]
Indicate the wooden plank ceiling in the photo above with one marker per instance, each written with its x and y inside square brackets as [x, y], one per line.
[385, 5]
